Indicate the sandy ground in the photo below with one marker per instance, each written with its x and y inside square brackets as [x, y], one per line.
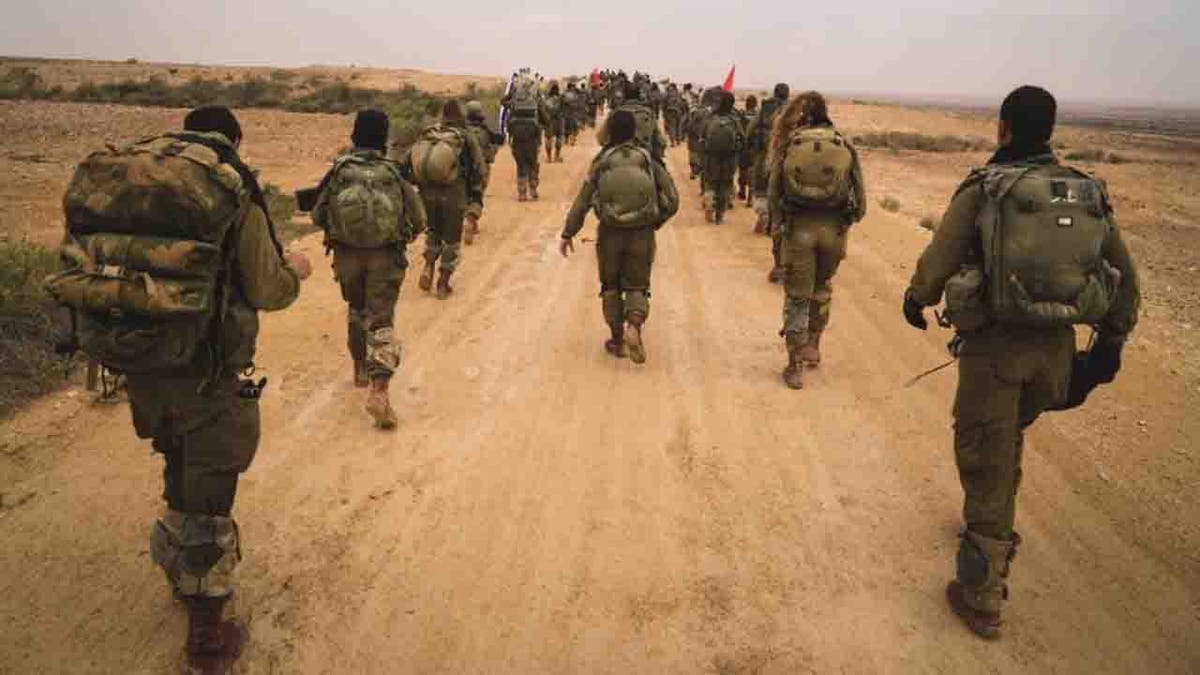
[545, 508]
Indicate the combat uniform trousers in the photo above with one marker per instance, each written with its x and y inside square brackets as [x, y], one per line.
[695, 157]
[445, 207]
[370, 279]
[625, 258]
[671, 124]
[1007, 377]
[554, 140]
[207, 434]
[719, 172]
[526, 154]
[745, 171]
[812, 246]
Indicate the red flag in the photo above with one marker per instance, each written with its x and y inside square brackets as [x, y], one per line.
[728, 86]
[595, 77]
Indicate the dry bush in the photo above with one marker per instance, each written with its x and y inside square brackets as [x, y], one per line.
[890, 204]
[928, 223]
[28, 325]
[1095, 155]
[905, 140]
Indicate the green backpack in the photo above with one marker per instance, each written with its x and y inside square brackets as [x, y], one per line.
[1042, 228]
[723, 136]
[627, 195]
[149, 249]
[366, 202]
[698, 123]
[435, 156]
[817, 169]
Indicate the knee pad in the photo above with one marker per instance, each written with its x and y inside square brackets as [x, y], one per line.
[383, 352]
[198, 553]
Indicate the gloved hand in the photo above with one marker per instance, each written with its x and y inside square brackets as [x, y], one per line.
[914, 312]
[1104, 359]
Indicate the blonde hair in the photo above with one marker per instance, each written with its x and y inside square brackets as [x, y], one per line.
[806, 109]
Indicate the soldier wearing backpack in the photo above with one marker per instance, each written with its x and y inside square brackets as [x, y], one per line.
[648, 134]
[170, 255]
[815, 192]
[632, 195]
[1027, 250]
[724, 139]
[554, 115]
[697, 124]
[674, 108]
[746, 156]
[448, 166]
[761, 126]
[370, 214]
[523, 126]
[488, 142]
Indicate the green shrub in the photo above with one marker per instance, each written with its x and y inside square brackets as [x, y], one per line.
[28, 330]
[890, 204]
[1095, 155]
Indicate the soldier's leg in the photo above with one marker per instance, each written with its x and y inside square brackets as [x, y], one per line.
[637, 261]
[455, 206]
[708, 197]
[987, 438]
[798, 259]
[830, 252]
[470, 226]
[535, 173]
[385, 276]
[351, 277]
[435, 232]
[612, 303]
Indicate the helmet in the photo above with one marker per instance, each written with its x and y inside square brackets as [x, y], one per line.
[474, 109]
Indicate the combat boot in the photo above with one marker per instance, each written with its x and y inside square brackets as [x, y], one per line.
[426, 281]
[810, 353]
[793, 374]
[443, 285]
[470, 229]
[533, 193]
[741, 192]
[633, 342]
[775, 276]
[379, 404]
[616, 344]
[361, 378]
[213, 643]
[979, 591]
[522, 190]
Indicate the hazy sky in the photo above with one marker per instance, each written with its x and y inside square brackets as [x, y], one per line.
[1102, 50]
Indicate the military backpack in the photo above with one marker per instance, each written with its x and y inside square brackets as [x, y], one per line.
[817, 169]
[151, 234]
[366, 202]
[1042, 229]
[435, 155]
[627, 194]
[521, 119]
[723, 136]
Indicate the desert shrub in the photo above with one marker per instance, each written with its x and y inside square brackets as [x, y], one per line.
[890, 204]
[28, 330]
[281, 75]
[131, 61]
[927, 223]
[905, 140]
[21, 82]
[1095, 155]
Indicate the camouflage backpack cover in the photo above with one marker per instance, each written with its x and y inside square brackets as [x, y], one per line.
[817, 166]
[723, 135]
[366, 202]
[435, 156]
[627, 194]
[522, 112]
[1042, 228]
[149, 251]
[698, 122]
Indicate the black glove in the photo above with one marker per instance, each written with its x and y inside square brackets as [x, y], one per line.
[914, 312]
[1104, 359]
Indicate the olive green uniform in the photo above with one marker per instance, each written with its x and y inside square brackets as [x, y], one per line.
[370, 281]
[651, 138]
[447, 205]
[207, 429]
[483, 137]
[525, 140]
[1008, 375]
[812, 246]
[625, 256]
[554, 125]
[719, 169]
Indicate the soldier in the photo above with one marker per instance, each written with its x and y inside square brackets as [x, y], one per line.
[815, 192]
[746, 156]
[573, 112]
[1051, 229]
[760, 129]
[183, 347]
[523, 125]
[554, 122]
[370, 214]
[648, 133]
[632, 195]
[697, 124]
[724, 138]
[448, 166]
[674, 108]
[488, 144]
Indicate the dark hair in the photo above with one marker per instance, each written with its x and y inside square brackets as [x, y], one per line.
[370, 129]
[1029, 112]
[452, 111]
[725, 102]
[782, 91]
[216, 118]
[751, 102]
[622, 127]
[632, 91]
[813, 109]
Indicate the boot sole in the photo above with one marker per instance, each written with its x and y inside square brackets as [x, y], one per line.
[983, 625]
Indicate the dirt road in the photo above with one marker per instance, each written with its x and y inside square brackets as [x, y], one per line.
[544, 508]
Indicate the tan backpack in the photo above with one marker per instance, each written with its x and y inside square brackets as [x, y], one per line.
[435, 155]
[817, 167]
